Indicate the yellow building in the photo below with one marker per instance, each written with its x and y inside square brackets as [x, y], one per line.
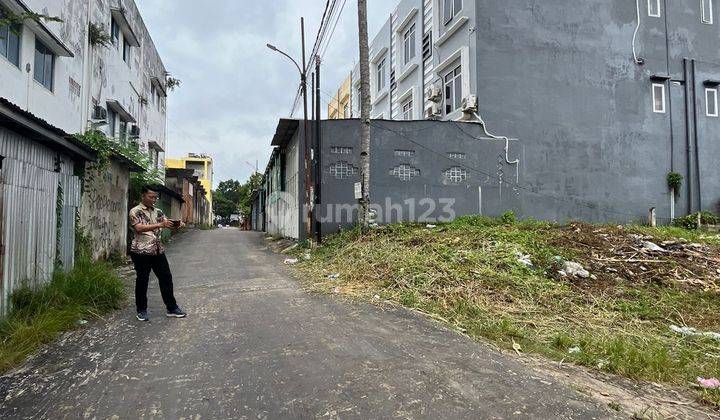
[203, 167]
[340, 106]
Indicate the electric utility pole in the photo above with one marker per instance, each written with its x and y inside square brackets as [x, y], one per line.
[364, 214]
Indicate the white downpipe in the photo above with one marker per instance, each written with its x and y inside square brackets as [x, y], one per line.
[638, 60]
[515, 162]
[672, 204]
[480, 200]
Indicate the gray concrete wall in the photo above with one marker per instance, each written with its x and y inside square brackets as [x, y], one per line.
[104, 210]
[567, 86]
[428, 196]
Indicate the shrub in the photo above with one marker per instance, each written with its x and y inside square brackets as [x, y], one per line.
[690, 221]
[38, 314]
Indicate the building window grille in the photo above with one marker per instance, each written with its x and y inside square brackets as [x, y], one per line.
[405, 172]
[711, 102]
[658, 91]
[409, 44]
[342, 170]
[453, 90]
[455, 174]
[654, 8]
[340, 150]
[405, 153]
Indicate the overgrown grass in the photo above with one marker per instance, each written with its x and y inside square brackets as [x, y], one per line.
[39, 315]
[467, 272]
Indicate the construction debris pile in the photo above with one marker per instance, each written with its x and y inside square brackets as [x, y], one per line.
[611, 255]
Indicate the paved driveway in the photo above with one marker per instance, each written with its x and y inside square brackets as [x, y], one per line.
[256, 346]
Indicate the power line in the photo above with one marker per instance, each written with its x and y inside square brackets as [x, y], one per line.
[320, 37]
[514, 184]
[332, 32]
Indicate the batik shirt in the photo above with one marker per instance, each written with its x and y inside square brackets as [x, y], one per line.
[147, 243]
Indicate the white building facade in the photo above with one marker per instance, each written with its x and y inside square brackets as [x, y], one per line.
[57, 79]
[54, 71]
[420, 61]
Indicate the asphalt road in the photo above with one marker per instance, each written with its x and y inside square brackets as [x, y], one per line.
[257, 346]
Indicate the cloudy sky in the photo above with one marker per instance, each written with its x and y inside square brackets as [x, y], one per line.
[233, 88]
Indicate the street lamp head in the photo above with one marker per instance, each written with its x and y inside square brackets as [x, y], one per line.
[272, 47]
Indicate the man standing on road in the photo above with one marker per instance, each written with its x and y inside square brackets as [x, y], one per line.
[147, 253]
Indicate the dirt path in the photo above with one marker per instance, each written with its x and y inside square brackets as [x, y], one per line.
[256, 346]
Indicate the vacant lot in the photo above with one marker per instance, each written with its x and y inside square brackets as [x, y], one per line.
[627, 307]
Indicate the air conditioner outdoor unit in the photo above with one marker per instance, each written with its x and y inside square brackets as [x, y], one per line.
[99, 113]
[434, 94]
[469, 104]
[135, 131]
[432, 112]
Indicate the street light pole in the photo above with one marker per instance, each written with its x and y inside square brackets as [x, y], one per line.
[309, 188]
[304, 140]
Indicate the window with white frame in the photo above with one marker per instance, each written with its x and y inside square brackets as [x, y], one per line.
[44, 65]
[711, 102]
[707, 12]
[654, 8]
[409, 44]
[407, 110]
[380, 75]
[453, 90]
[658, 92]
[10, 41]
[452, 8]
[346, 111]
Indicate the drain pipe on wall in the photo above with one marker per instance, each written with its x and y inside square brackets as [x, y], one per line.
[688, 149]
[638, 60]
[515, 162]
[695, 138]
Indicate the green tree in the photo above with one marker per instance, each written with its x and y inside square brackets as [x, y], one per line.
[230, 189]
[232, 197]
[222, 206]
[246, 191]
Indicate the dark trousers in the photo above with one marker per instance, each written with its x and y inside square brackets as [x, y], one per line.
[159, 265]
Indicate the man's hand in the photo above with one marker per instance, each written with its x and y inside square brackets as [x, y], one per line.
[168, 224]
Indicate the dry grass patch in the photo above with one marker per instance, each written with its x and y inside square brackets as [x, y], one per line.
[470, 274]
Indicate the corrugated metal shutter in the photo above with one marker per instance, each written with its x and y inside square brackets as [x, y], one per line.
[29, 188]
